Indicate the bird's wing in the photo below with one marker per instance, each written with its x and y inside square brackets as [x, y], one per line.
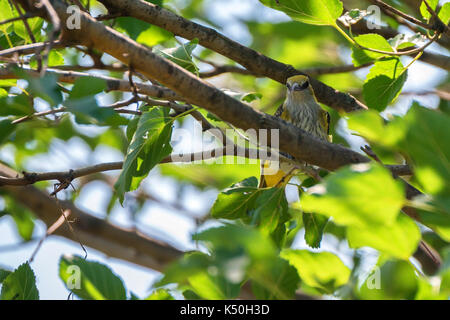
[325, 122]
[279, 111]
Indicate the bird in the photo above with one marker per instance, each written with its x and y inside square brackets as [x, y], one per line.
[302, 110]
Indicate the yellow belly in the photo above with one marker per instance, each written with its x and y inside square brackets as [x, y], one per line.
[277, 178]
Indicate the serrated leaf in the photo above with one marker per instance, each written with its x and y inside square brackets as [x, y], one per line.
[234, 202]
[96, 281]
[317, 12]
[361, 195]
[20, 285]
[384, 83]
[3, 274]
[314, 225]
[370, 40]
[182, 55]
[321, 270]
[149, 145]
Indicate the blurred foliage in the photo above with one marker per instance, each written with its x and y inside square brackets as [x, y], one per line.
[263, 240]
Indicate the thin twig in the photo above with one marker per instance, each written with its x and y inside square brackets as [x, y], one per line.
[402, 14]
[49, 231]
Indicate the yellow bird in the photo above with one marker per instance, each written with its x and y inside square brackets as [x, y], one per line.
[302, 110]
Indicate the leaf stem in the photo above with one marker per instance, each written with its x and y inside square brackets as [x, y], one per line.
[346, 36]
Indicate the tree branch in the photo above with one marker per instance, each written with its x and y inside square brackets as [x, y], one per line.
[251, 60]
[112, 84]
[96, 233]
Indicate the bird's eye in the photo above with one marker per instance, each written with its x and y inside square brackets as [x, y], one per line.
[305, 85]
[298, 87]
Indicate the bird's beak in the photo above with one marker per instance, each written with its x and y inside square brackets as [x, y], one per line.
[294, 86]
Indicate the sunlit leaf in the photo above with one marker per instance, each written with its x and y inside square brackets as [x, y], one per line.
[384, 83]
[20, 285]
[362, 196]
[319, 12]
[90, 280]
[322, 270]
[149, 145]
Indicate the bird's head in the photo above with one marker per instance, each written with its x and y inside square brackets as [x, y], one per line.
[299, 88]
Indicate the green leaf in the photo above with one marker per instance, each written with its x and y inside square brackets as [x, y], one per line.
[234, 202]
[153, 36]
[318, 12]
[90, 280]
[190, 264]
[17, 105]
[35, 26]
[203, 276]
[20, 285]
[369, 40]
[6, 128]
[149, 145]
[3, 274]
[182, 55]
[270, 209]
[444, 13]
[23, 218]
[55, 58]
[314, 225]
[395, 280]
[208, 285]
[280, 275]
[83, 105]
[423, 8]
[254, 253]
[160, 294]
[45, 87]
[384, 83]
[86, 87]
[427, 142]
[399, 240]
[132, 26]
[250, 97]
[321, 270]
[360, 195]
[6, 13]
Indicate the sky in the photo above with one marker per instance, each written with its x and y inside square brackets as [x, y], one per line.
[156, 220]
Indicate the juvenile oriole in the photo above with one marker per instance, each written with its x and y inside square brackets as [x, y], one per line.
[302, 110]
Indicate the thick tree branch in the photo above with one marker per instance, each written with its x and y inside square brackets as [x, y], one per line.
[253, 61]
